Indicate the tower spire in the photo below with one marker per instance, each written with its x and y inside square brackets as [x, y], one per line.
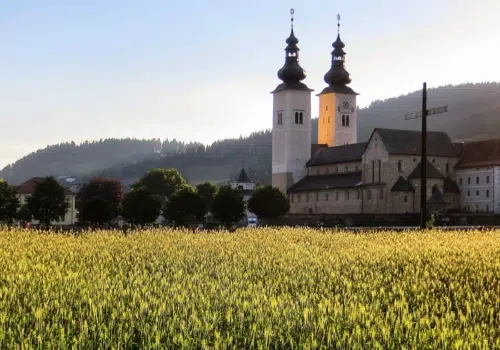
[292, 73]
[338, 77]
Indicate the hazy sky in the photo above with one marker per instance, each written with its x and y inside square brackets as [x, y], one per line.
[203, 70]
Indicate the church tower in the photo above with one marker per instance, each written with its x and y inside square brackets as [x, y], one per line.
[337, 124]
[291, 131]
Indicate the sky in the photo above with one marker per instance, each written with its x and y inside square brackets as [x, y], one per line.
[203, 70]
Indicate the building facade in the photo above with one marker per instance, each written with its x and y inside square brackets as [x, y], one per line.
[27, 188]
[383, 175]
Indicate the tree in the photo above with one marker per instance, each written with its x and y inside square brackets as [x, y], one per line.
[161, 182]
[98, 201]
[185, 207]
[207, 191]
[268, 202]
[228, 206]
[140, 206]
[9, 203]
[24, 215]
[48, 202]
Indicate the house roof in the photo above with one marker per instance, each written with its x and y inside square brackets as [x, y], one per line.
[479, 154]
[327, 182]
[402, 185]
[28, 187]
[450, 186]
[408, 142]
[337, 154]
[430, 171]
[243, 177]
[436, 198]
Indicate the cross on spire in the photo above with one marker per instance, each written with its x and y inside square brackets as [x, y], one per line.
[338, 23]
[292, 11]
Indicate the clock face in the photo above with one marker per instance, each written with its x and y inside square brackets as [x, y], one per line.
[346, 107]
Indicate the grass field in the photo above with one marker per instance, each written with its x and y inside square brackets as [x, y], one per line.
[262, 289]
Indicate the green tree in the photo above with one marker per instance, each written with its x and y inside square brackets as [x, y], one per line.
[24, 214]
[161, 182]
[207, 191]
[9, 203]
[48, 202]
[141, 207]
[228, 206]
[268, 202]
[185, 207]
[98, 201]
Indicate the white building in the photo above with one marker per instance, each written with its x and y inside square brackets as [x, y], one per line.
[478, 176]
[246, 186]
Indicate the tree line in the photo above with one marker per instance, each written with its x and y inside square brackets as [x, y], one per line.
[159, 192]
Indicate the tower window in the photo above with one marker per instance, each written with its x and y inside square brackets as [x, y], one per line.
[328, 119]
[296, 117]
[280, 118]
[346, 120]
[301, 118]
[326, 108]
[343, 120]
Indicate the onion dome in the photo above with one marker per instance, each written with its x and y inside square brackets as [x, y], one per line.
[292, 73]
[338, 77]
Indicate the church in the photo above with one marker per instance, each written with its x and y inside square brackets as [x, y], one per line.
[340, 175]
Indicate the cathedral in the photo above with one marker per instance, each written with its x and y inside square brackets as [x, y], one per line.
[340, 175]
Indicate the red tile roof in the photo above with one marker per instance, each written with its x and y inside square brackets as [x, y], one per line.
[479, 154]
[28, 187]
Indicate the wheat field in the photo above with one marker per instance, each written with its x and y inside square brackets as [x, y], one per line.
[293, 288]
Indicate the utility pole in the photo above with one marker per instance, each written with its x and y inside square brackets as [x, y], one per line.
[423, 152]
[423, 160]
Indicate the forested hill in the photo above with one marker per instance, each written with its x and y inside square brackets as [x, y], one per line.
[473, 113]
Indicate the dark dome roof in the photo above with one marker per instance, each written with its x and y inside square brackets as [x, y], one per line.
[337, 75]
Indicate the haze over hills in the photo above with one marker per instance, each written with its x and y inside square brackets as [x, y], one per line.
[473, 113]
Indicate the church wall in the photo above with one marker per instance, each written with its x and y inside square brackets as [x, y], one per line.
[334, 168]
[291, 141]
[282, 181]
[340, 201]
[330, 128]
[326, 125]
[375, 196]
[402, 202]
[430, 183]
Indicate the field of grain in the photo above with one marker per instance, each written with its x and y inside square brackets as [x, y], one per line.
[261, 288]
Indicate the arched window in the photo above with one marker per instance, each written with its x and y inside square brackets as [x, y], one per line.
[346, 120]
[405, 199]
[343, 120]
[296, 117]
[447, 168]
[301, 118]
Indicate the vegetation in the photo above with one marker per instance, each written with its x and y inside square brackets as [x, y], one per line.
[98, 202]
[228, 206]
[207, 191]
[161, 182]
[186, 207]
[268, 202]
[259, 288]
[141, 206]
[473, 111]
[9, 204]
[48, 202]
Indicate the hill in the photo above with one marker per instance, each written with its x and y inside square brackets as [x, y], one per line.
[472, 114]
